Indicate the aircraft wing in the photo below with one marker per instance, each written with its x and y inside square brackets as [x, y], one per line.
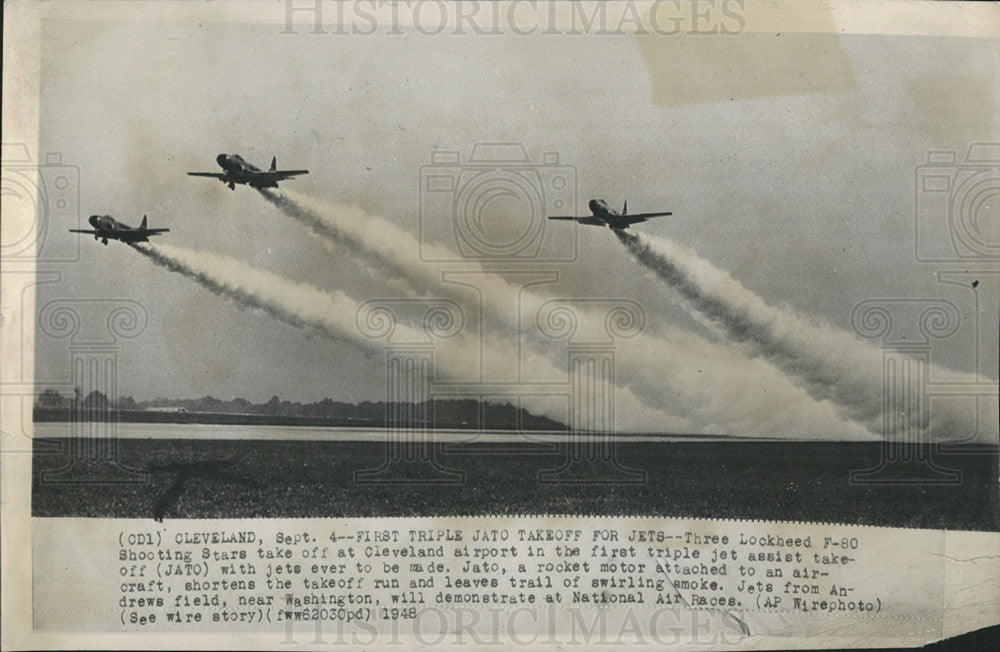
[638, 217]
[588, 219]
[214, 175]
[83, 231]
[645, 216]
[279, 175]
[152, 231]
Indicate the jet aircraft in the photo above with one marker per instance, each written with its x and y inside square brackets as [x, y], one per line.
[239, 171]
[106, 228]
[604, 215]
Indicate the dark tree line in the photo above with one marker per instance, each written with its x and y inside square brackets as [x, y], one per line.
[458, 413]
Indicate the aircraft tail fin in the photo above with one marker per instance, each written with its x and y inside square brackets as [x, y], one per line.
[625, 208]
[274, 164]
[143, 225]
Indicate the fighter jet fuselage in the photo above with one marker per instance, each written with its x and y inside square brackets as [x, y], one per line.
[234, 164]
[600, 209]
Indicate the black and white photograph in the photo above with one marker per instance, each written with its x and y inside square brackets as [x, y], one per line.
[728, 263]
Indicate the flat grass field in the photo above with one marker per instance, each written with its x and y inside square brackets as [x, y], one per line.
[719, 479]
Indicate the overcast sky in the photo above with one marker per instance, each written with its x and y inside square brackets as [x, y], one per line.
[788, 160]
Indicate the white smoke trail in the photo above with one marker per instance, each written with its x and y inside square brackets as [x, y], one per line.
[333, 315]
[360, 234]
[299, 305]
[680, 371]
[829, 363]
